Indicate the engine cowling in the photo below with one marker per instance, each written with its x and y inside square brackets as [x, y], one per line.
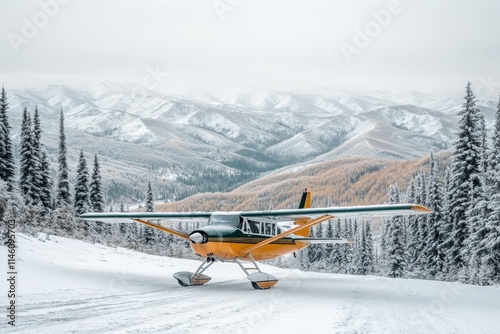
[198, 237]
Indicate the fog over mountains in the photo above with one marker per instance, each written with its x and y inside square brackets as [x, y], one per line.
[190, 141]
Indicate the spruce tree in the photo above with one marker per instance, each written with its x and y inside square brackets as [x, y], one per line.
[346, 248]
[447, 242]
[81, 186]
[359, 252]
[396, 257]
[477, 212]
[47, 182]
[28, 163]
[423, 227]
[63, 195]
[490, 261]
[466, 162]
[148, 235]
[37, 151]
[435, 257]
[368, 260]
[411, 239]
[7, 165]
[149, 199]
[42, 178]
[95, 188]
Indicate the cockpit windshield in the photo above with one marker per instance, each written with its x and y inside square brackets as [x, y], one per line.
[220, 218]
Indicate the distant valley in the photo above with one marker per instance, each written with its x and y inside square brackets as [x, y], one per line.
[191, 141]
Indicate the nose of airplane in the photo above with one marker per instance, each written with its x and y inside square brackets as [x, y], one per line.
[197, 238]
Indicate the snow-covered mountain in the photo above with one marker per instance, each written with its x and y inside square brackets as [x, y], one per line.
[190, 140]
[69, 286]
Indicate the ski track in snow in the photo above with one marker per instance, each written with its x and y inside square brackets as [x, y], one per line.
[69, 286]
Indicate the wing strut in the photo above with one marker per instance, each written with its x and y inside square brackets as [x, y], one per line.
[162, 228]
[284, 234]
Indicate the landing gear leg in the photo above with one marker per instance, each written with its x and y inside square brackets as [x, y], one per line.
[259, 279]
[187, 278]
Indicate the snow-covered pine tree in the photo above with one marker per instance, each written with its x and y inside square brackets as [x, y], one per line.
[435, 221]
[337, 250]
[346, 248]
[148, 234]
[149, 199]
[37, 152]
[28, 163]
[411, 239]
[3, 135]
[95, 188]
[423, 227]
[447, 225]
[466, 162]
[382, 257]
[63, 198]
[42, 176]
[7, 165]
[47, 182]
[490, 262]
[368, 259]
[354, 233]
[131, 235]
[477, 212]
[396, 257]
[81, 186]
[359, 252]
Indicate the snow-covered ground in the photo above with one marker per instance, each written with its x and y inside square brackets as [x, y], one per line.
[69, 286]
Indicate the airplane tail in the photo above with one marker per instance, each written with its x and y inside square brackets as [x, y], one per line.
[305, 203]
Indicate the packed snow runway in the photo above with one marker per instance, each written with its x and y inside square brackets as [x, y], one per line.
[69, 286]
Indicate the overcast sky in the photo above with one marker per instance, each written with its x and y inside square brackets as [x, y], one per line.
[423, 45]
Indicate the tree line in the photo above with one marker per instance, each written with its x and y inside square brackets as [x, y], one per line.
[30, 195]
[458, 241]
[39, 203]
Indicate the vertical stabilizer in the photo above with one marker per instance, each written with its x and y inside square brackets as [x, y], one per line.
[305, 203]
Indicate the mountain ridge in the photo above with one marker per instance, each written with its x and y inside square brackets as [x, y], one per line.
[233, 137]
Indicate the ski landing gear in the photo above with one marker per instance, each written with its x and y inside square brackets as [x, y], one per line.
[187, 278]
[260, 280]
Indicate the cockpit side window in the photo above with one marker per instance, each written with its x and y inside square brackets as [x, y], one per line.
[254, 226]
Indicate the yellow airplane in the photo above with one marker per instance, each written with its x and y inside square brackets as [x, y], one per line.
[252, 236]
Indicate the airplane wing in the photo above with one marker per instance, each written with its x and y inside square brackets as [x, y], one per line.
[310, 217]
[128, 217]
[145, 218]
[323, 240]
[339, 212]
[303, 217]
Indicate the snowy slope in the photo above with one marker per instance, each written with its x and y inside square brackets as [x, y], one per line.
[69, 286]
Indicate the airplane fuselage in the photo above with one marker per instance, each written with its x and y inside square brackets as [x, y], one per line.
[225, 240]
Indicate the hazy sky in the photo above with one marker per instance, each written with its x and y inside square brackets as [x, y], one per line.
[288, 44]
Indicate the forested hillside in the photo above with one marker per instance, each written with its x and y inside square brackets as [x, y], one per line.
[460, 240]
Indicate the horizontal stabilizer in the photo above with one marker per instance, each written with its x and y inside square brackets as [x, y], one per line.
[324, 240]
